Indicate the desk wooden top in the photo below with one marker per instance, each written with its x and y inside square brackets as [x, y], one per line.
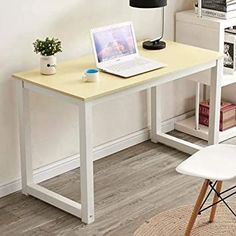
[67, 80]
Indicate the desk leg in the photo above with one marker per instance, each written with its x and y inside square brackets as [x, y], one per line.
[215, 100]
[86, 162]
[25, 135]
[155, 113]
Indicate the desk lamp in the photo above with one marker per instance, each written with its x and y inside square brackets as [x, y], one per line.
[156, 43]
[199, 5]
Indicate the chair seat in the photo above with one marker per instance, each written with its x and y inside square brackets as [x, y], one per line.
[216, 162]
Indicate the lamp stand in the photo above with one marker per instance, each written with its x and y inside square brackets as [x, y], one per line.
[199, 8]
[156, 44]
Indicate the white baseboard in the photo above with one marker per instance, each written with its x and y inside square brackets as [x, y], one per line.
[73, 162]
[169, 124]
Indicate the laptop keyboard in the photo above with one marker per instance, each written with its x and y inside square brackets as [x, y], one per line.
[129, 65]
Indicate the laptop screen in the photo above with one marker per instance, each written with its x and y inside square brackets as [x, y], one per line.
[112, 43]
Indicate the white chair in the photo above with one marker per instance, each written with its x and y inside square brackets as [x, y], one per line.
[215, 164]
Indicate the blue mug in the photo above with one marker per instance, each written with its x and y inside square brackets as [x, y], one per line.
[90, 75]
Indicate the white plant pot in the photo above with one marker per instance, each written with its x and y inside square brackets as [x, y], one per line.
[48, 65]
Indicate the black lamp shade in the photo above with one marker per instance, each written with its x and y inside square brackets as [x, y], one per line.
[148, 3]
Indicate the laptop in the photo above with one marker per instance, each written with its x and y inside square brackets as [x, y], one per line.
[116, 51]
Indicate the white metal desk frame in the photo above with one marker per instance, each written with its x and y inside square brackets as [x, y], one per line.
[85, 210]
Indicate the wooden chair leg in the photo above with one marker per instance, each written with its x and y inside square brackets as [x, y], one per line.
[197, 207]
[215, 199]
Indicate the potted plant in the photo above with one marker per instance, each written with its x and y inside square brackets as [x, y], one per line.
[47, 48]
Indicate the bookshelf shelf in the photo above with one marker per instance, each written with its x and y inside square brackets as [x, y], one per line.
[209, 33]
[228, 79]
[188, 126]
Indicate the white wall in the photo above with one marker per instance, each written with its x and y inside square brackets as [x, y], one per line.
[54, 124]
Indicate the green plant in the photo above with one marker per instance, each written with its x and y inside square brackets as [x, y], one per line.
[47, 47]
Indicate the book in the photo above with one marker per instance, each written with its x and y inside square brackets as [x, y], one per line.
[222, 2]
[227, 114]
[217, 14]
[227, 124]
[221, 8]
[219, 5]
[205, 106]
[209, 3]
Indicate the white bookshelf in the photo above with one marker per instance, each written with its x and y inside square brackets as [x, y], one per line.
[208, 33]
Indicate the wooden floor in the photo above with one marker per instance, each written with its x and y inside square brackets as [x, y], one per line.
[130, 187]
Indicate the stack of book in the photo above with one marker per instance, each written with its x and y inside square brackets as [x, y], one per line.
[227, 114]
[224, 9]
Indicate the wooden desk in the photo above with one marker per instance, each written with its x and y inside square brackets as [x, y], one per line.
[182, 61]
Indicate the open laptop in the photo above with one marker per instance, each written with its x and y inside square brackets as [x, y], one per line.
[116, 51]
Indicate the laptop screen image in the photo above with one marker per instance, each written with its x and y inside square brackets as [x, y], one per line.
[114, 43]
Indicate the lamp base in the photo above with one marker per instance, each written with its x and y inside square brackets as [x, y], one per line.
[154, 45]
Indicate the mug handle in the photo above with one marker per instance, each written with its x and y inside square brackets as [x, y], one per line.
[84, 78]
